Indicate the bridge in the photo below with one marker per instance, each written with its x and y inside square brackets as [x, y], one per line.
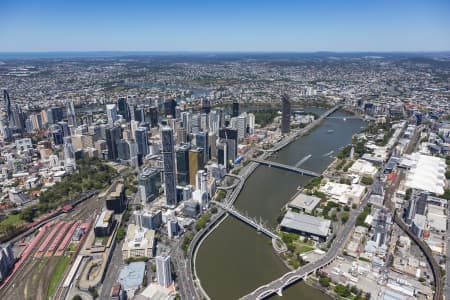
[277, 286]
[286, 167]
[435, 268]
[345, 118]
[281, 247]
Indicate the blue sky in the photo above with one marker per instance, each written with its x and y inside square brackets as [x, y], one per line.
[148, 25]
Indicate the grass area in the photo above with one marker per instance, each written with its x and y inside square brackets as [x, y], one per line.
[57, 275]
[303, 247]
[11, 219]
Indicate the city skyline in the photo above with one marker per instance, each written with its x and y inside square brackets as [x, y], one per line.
[263, 26]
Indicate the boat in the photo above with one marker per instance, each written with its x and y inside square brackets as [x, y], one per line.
[330, 131]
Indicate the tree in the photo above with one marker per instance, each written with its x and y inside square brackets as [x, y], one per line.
[324, 281]
[344, 217]
[367, 180]
[77, 297]
[342, 290]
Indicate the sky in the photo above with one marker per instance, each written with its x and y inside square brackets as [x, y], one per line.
[217, 25]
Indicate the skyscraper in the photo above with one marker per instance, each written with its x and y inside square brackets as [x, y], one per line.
[169, 108]
[69, 154]
[111, 111]
[153, 116]
[195, 163]
[149, 184]
[182, 155]
[285, 114]
[206, 106]
[168, 153]
[123, 109]
[8, 108]
[141, 134]
[113, 135]
[235, 109]
[163, 272]
[71, 115]
[201, 141]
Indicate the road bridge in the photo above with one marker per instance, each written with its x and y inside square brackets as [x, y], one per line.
[286, 167]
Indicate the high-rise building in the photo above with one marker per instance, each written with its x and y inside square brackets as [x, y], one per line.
[71, 115]
[195, 163]
[241, 126]
[123, 109]
[149, 184]
[182, 156]
[195, 123]
[206, 105]
[113, 135]
[111, 111]
[285, 114]
[139, 114]
[54, 115]
[186, 120]
[201, 141]
[235, 109]
[168, 153]
[251, 123]
[141, 134]
[69, 154]
[163, 272]
[169, 108]
[57, 134]
[230, 136]
[153, 116]
[123, 150]
[8, 108]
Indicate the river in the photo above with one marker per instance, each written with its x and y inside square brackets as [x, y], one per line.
[234, 259]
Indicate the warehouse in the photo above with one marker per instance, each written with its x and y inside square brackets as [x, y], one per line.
[306, 225]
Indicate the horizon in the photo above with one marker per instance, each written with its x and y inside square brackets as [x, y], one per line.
[229, 27]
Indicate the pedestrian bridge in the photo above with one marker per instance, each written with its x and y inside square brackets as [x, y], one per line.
[277, 242]
[286, 167]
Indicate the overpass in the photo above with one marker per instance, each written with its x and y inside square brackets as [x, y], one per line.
[435, 268]
[286, 167]
[301, 273]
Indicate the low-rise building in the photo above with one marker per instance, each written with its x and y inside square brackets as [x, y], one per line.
[304, 203]
[306, 225]
[139, 242]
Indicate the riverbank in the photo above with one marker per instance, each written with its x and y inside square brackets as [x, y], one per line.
[246, 260]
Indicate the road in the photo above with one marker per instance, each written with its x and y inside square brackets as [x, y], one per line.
[447, 262]
[293, 276]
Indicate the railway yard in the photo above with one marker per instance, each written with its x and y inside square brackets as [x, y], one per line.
[45, 255]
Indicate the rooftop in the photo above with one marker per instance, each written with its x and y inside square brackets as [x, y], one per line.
[306, 223]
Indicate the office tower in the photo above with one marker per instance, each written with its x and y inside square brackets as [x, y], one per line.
[182, 156]
[168, 153]
[201, 181]
[36, 121]
[71, 115]
[231, 137]
[64, 127]
[235, 109]
[123, 150]
[8, 108]
[149, 184]
[54, 115]
[28, 125]
[134, 158]
[124, 109]
[212, 141]
[201, 141]
[139, 114]
[251, 123]
[195, 163]
[19, 118]
[163, 272]
[153, 116]
[149, 219]
[222, 155]
[169, 108]
[57, 134]
[214, 121]
[195, 123]
[285, 114]
[187, 122]
[113, 135]
[69, 154]
[206, 105]
[204, 122]
[241, 126]
[111, 111]
[141, 134]
[181, 135]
